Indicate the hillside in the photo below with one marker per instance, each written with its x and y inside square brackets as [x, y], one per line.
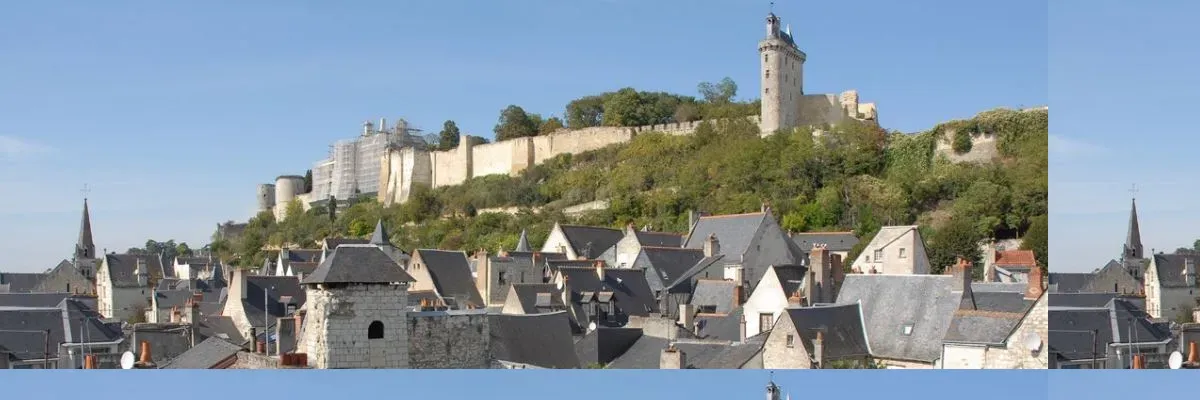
[853, 177]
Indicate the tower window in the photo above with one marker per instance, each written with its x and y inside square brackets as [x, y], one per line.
[375, 330]
[767, 90]
[768, 73]
[766, 57]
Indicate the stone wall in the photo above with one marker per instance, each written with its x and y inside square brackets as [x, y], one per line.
[493, 158]
[335, 332]
[448, 339]
[983, 148]
[1015, 354]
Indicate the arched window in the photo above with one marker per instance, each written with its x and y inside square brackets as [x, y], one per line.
[375, 331]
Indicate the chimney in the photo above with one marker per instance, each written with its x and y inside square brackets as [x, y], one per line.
[238, 286]
[795, 300]
[818, 266]
[687, 316]
[838, 270]
[298, 323]
[143, 273]
[742, 329]
[737, 294]
[1193, 357]
[712, 246]
[811, 291]
[693, 216]
[262, 347]
[672, 358]
[600, 269]
[1138, 362]
[1035, 287]
[283, 326]
[145, 357]
[962, 272]
[819, 350]
[252, 337]
[1189, 271]
[176, 316]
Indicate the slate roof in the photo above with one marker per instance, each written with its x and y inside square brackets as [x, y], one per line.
[718, 293]
[996, 316]
[1170, 269]
[32, 299]
[667, 265]
[519, 267]
[723, 327]
[1072, 332]
[1082, 300]
[1006, 287]
[734, 232]
[83, 324]
[791, 277]
[207, 354]
[302, 255]
[543, 340]
[536, 298]
[220, 326]
[605, 344]
[20, 282]
[706, 268]
[600, 239]
[523, 243]
[835, 241]
[358, 264]
[303, 268]
[646, 353]
[280, 286]
[1134, 324]
[890, 303]
[842, 324]
[630, 291]
[380, 236]
[659, 239]
[451, 274]
[122, 268]
[1069, 282]
[333, 243]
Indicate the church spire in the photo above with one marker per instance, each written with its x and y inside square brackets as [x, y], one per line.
[1133, 239]
[85, 248]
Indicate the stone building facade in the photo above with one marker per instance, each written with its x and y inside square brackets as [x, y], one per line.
[456, 339]
[357, 326]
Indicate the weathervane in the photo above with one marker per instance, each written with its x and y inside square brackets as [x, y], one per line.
[772, 8]
[1133, 190]
[85, 191]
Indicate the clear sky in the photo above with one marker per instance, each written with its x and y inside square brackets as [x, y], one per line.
[172, 112]
[1123, 90]
[546, 384]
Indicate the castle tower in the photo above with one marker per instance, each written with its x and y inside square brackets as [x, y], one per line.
[85, 249]
[782, 75]
[772, 390]
[355, 313]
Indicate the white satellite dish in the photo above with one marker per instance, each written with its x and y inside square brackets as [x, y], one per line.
[591, 326]
[1033, 342]
[127, 360]
[1176, 360]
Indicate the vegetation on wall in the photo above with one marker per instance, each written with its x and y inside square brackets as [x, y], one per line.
[855, 176]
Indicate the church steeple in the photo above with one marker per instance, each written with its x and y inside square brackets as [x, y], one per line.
[523, 243]
[1133, 239]
[85, 248]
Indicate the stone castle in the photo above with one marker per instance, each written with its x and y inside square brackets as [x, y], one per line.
[402, 167]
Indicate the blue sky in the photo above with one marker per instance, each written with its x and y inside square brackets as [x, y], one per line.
[580, 384]
[1122, 89]
[172, 112]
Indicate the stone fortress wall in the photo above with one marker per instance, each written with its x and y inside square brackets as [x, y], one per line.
[984, 146]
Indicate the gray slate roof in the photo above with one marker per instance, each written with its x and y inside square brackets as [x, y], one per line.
[451, 273]
[718, 293]
[599, 239]
[791, 277]
[1170, 269]
[279, 287]
[1084, 300]
[205, 355]
[543, 340]
[605, 344]
[122, 268]
[667, 265]
[20, 282]
[997, 315]
[333, 243]
[723, 327]
[83, 324]
[836, 241]
[844, 336]
[33, 299]
[631, 293]
[927, 303]
[529, 294]
[734, 233]
[358, 264]
[659, 239]
[523, 243]
[646, 353]
[1072, 336]
[1069, 282]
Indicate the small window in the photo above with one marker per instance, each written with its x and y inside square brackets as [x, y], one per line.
[768, 74]
[767, 90]
[503, 278]
[766, 57]
[375, 330]
[902, 255]
[907, 329]
[878, 255]
[791, 340]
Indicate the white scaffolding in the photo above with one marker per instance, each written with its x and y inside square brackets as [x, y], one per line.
[353, 164]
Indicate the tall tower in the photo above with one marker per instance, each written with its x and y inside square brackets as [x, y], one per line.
[85, 249]
[1133, 239]
[772, 390]
[782, 75]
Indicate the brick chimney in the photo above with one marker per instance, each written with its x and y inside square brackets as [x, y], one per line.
[672, 358]
[1035, 287]
[818, 265]
[145, 359]
[712, 246]
[794, 300]
[738, 294]
[1193, 357]
[838, 270]
[962, 274]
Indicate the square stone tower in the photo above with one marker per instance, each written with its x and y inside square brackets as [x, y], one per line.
[782, 77]
[356, 310]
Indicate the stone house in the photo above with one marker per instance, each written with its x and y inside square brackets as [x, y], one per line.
[837, 243]
[895, 250]
[750, 243]
[581, 242]
[1007, 330]
[447, 273]
[1114, 277]
[355, 314]
[623, 253]
[68, 278]
[533, 298]
[1171, 287]
[811, 337]
[124, 283]
[782, 286]
[255, 302]
[495, 275]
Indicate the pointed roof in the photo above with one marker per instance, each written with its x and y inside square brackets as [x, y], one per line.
[523, 243]
[85, 247]
[380, 237]
[1133, 239]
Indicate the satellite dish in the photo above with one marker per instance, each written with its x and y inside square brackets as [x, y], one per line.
[127, 360]
[1176, 360]
[1033, 342]
[591, 326]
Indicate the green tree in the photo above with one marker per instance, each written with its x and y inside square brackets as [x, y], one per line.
[550, 125]
[308, 181]
[182, 250]
[718, 93]
[449, 136]
[514, 123]
[1037, 239]
[957, 238]
[332, 205]
[585, 112]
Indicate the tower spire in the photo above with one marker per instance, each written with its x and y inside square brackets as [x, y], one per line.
[523, 243]
[1133, 238]
[84, 247]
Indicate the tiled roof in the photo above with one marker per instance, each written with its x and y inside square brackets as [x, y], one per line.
[629, 289]
[734, 232]
[605, 344]
[716, 293]
[274, 289]
[122, 268]
[1016, 258]
[538, 298]
[1170, 269]
[667, 265]
[659, 239]
[20, 282]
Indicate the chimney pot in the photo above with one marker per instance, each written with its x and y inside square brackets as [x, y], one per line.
[145, 356]
[1193, 357]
